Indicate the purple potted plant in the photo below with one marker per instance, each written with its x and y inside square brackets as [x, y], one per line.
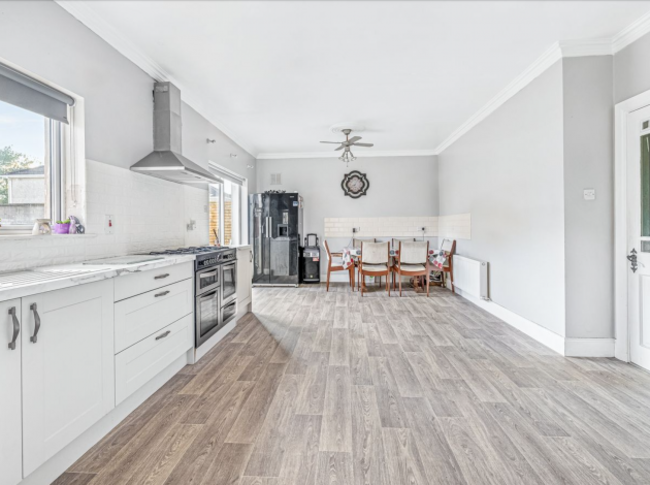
[61, 227]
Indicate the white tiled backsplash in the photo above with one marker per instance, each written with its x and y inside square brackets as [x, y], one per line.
[148, 214]
[455, 226]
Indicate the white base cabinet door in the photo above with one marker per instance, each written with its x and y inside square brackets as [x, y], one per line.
[10, 394]
[68, 369]
[244, 274]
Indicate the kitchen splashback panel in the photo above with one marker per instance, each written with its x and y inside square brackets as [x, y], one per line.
[149, 214]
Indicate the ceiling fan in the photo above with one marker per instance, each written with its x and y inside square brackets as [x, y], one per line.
[347, 155]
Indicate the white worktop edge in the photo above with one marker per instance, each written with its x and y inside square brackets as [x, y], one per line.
[103, 272]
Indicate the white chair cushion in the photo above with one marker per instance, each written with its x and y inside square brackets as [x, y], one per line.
[374, 253]
[412, 267]
[375, 267]
[413, 252]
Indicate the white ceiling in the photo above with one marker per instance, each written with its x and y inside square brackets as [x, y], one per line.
[275, 75]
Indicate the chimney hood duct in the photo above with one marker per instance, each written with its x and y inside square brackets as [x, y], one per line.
[166, 161]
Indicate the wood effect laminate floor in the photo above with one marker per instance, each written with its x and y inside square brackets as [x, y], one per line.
[329, 388]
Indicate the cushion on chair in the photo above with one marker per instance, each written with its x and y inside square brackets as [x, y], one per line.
[374, 253]
[375, 267]
[413, 252]
[412, 267]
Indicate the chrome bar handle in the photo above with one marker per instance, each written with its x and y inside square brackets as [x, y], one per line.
[16, 325]
[161, 276]
[163, 335]
[37, 322]
[268, 227]
[162, 293]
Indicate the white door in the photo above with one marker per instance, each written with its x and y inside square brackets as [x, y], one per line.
[10, 397]
[68, 370]
[638, 235]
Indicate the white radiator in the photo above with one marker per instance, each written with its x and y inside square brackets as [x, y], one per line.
[471, 276]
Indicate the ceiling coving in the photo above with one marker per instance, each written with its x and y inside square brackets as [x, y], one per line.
[422, 73]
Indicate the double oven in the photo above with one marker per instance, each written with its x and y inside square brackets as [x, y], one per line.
[216, 292]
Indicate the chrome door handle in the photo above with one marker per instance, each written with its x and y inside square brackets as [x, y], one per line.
[162, 293]
[37, 322]
[163, 335]
[250, 251]
[16, 325]
[632, 258]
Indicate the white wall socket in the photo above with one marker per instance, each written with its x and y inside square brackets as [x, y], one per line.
[109, 224]
[589, 194]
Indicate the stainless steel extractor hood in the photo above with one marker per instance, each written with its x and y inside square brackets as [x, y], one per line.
[166, 161]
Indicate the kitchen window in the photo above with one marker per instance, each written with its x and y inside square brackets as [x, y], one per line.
[228, 217]
[33, 129]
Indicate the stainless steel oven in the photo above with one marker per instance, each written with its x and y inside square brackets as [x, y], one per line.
[208, 314]
[207, 279]
[229, 282]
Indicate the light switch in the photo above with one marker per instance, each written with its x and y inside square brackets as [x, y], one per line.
[589, 194]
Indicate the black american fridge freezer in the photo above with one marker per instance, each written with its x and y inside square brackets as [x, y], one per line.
[275, 231]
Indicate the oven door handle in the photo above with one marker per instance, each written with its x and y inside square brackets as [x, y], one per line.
[209, 274]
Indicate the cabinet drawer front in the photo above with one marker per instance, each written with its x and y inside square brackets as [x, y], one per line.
[138, 317]
[137, 283]
[140, 363]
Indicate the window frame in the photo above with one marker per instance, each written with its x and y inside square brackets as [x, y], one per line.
[56, 193]
[235, 179]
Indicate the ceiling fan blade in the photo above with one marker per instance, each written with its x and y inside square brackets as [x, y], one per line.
[332, 142]
[354, 138]
[340, 147]
[364, 144]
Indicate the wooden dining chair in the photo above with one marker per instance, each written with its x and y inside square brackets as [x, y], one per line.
[357, 242]
[412, 260]
[374, 262]
[448, 246]
[394, 242]
[334, 266]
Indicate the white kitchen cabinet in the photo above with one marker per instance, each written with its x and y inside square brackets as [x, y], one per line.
[244, 275]
[144, 360]
[68, 368]
[10, 394]
[138, 317]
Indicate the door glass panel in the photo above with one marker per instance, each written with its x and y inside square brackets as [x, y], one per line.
[228, 280]
[208, 278]
[208, 312]
[229, 311]
[645, 192]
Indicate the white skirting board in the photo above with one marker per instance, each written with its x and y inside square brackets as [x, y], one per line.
[543, 335]
[59, 463]
[569, 347]
[589, 347]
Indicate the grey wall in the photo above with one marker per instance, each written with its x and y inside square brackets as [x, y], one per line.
[632, 70]
[196, 131]
[43, 38]
[588, 225]
[507, 172]
[399, 186]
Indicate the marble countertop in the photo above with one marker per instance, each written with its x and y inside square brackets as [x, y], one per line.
[48, 278]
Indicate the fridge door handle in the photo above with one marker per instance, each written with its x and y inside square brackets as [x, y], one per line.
[268, 226]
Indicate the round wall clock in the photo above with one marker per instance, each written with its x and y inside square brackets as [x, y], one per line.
[355, 184]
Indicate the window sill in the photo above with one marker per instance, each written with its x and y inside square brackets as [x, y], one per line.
[17, 236]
